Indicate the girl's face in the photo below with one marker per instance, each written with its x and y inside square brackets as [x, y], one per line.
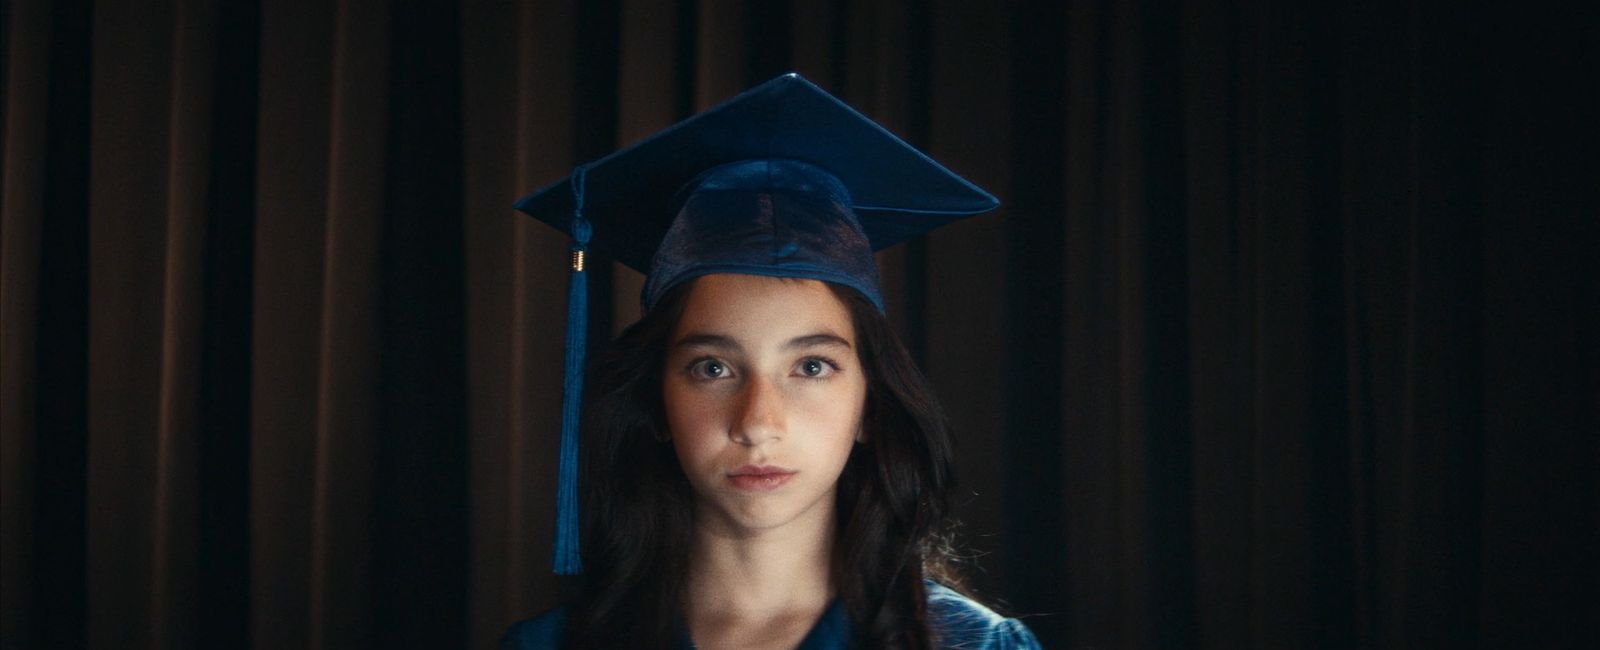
[764, 394]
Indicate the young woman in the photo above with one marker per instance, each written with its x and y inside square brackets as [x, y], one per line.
[764, 465]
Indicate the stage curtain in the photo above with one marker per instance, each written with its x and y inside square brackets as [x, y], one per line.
[1284, 334]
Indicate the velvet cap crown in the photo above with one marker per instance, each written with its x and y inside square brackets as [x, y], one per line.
[782, 180]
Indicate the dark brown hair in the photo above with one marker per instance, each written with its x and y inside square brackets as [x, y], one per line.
[893, 497]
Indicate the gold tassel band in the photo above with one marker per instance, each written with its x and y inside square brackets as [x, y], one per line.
[577, 261]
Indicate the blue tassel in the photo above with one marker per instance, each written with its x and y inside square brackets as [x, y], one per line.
[567, 559]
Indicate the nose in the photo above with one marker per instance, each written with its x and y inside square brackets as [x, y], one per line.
[760, 416]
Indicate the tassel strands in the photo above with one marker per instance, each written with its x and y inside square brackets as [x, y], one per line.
[567, 560]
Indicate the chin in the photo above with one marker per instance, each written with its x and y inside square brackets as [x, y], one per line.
[754, 517]
[761, 518]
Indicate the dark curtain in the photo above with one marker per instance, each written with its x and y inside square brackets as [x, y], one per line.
[1285, 335]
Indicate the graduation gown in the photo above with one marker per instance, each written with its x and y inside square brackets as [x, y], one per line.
[958, 621]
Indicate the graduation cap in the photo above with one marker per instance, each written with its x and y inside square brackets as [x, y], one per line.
[783, 180]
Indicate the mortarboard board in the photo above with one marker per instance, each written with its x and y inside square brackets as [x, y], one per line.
[782, 180]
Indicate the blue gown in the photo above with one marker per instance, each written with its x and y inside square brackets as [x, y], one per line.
[958, 621]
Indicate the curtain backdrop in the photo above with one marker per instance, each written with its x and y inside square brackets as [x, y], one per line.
[1285, 334]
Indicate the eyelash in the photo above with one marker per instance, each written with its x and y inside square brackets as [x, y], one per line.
[829, 368]
[696, 368]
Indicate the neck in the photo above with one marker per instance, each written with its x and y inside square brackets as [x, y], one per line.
[761, 574]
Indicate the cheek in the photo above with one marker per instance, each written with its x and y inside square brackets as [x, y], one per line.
[833, 418]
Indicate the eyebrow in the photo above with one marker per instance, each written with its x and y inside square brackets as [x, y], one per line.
[716, 341]
[724, 342]
[816, 340]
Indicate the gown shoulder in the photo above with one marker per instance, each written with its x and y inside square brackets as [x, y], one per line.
[960, 622]
[543, 632]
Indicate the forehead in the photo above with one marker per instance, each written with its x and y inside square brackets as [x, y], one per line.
[755, 306]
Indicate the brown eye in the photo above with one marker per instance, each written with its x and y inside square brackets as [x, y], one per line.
[709, 369]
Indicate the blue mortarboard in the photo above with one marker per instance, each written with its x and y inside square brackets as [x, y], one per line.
[784, 180]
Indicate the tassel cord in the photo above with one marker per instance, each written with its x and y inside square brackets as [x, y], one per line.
[568, 560]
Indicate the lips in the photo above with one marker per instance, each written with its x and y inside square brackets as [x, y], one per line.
[760, 478]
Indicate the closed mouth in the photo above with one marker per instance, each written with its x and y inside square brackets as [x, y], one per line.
[760, 478]
[761, 470]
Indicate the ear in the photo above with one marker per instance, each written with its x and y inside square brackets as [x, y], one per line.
[861, 433]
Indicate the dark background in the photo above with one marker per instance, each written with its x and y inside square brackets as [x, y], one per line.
[1285, 335]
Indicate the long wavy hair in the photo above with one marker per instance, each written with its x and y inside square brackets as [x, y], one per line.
[892, 505]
